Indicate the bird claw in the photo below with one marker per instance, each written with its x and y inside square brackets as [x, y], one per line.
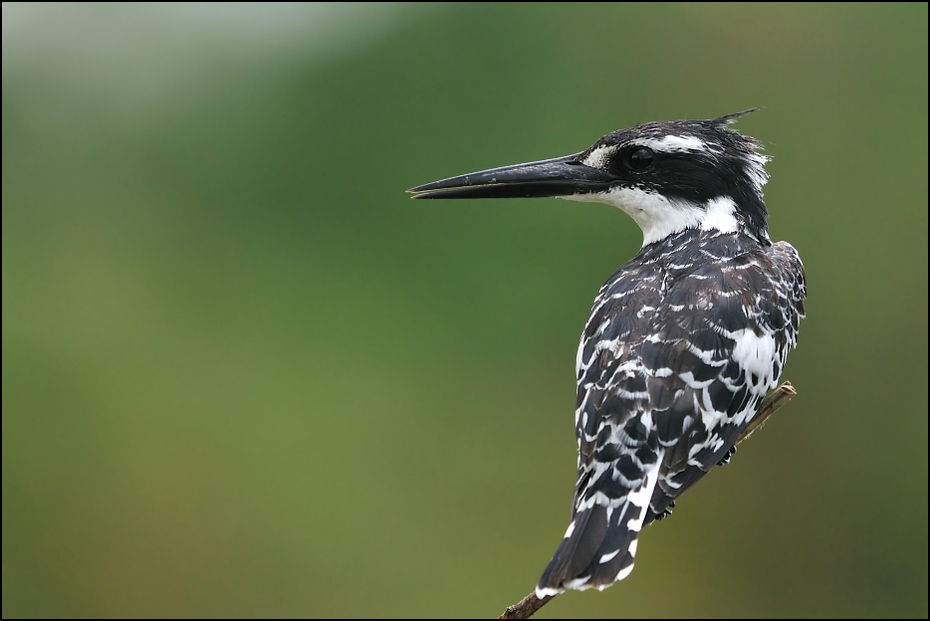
[667, 512]
[727, 457]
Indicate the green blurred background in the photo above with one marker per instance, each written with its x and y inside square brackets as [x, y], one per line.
[245, 375]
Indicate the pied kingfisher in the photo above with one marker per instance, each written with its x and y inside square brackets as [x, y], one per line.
[683, 341]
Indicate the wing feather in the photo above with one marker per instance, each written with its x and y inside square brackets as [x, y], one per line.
[674, 360]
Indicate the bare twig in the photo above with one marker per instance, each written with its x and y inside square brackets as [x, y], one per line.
[527, 607]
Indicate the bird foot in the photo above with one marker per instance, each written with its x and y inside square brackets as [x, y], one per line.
[726, 458]
[667, 512]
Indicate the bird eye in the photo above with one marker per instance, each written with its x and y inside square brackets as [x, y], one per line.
[641, 158]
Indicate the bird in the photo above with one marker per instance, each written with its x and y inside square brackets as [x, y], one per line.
[683, 341]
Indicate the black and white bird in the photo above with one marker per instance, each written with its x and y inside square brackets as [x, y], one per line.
[683, 341]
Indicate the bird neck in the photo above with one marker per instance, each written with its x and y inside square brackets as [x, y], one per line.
[661, 216]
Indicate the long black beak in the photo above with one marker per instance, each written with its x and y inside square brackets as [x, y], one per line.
[562, 176]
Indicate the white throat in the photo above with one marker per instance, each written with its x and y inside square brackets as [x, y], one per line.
[660, 217]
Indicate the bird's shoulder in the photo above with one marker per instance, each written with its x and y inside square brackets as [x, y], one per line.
[692, 283]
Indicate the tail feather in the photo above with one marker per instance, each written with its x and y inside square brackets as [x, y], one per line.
[600, 544]
[576, 552]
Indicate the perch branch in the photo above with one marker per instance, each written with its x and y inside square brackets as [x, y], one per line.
[527, 607]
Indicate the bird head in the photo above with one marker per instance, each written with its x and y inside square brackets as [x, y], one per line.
[668, 176]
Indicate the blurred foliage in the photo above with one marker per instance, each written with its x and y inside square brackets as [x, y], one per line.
[244, 375]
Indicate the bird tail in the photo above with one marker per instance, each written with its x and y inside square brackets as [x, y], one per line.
[600, 543]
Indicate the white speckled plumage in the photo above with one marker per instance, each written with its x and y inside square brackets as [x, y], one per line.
[683, 341]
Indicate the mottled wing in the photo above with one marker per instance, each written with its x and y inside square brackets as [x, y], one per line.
[671, 368]
[720, 344]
